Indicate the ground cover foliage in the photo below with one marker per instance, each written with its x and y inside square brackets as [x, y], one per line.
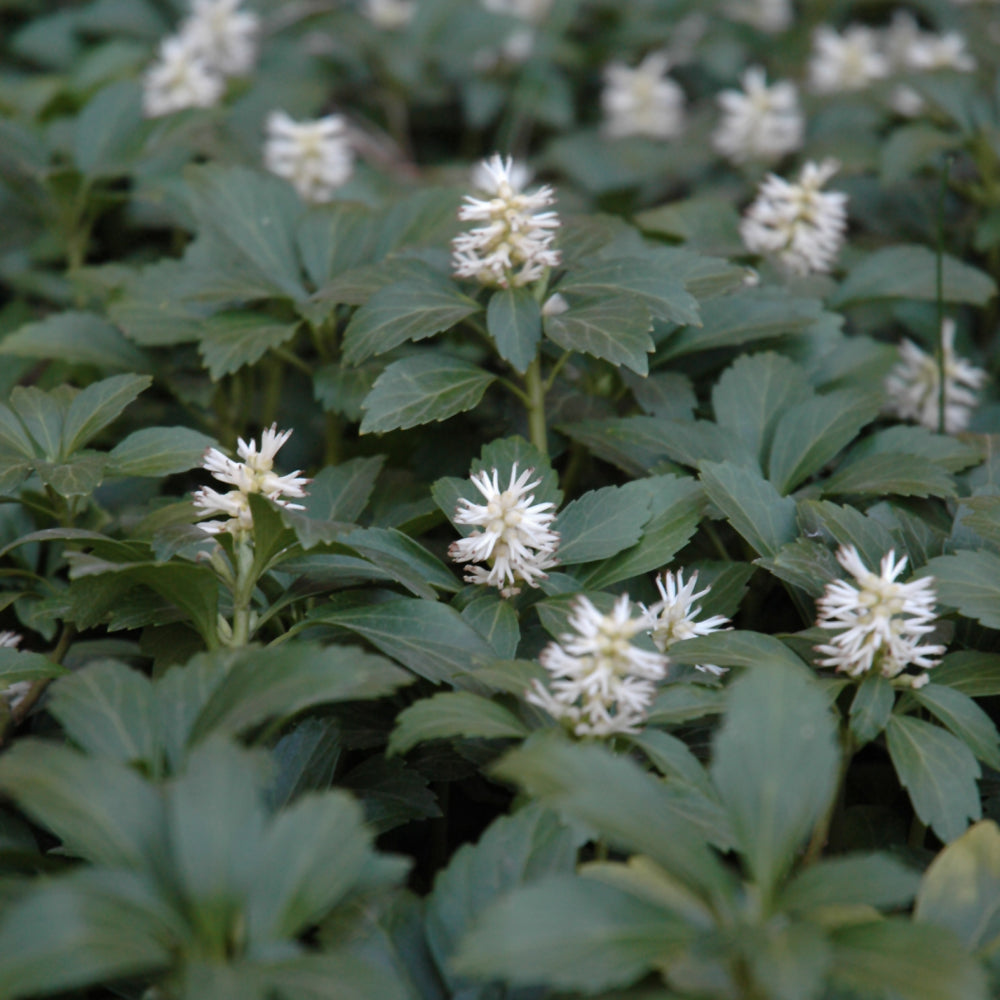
[630, 625]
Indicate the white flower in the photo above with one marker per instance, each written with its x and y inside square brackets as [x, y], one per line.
[759, 122]
[516, 537]
[14, 693]
[532, 11]
[797, 222]
[914, 385]
[601, 684]
[911, 50]
[255, 474]
[179, 78]
[314, 155]
[765, 15]
[223, 35]
[850, 61]
[879, 623]
[513, 247]
[672, 618]
[643, 100]
[389, 15]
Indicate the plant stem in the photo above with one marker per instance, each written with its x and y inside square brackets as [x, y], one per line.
[536, 406]
[939, 296]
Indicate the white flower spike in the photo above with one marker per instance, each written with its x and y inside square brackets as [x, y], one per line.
[673, 617]
[178, 79]
[879, 623]
[796, 222]
[601, 683]
[914, 383]
[513, 247]
[13, 694]
[254, 474]
[849, 61]
[315, 156]
[759, 123]
[224, 35]
[642, 101]
[515, 539]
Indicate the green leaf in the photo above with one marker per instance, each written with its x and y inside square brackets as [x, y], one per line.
[101, 809]
[741, 318]
[602, 522]
[108, 710]
[846, 526]
[964, 718]
[775, 764]
[790, 961]
[810, 433]
[969, 581]
[429, 638]
[450, 714]
[851, 880]
[961, 888]
[496, 621]
[634, 444]
[86, 928]
[871, 708]
[907, 960]
[902, 475]
[911, 148]
[736, 648]
[78, 476]
[618, 800]
[642, 278]
[710, 223]
[678, 703]
[21, 665]
[78, 338]
[43, 414]
[420, 389]
[615, 328]
[13, 433]
[333, 238]
[516, 849]
[93, 408]
[109, 130]
[751, 505]
[514, 321]
[973, 673]
[804, 563]
[194, 588]
[570, 933]
[280, 681]
[950, 453]
[158, 451]
[153, 309]
[412, 309]
[751, 395]
[909, 272]
[938, 771]
[404, 559]
[354, 975]
[231, 340]
[251, 217]
[692, 442]
[312, 852]
[672, 758]
[675, 510]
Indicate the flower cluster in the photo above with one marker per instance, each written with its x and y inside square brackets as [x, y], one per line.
[601, 683]
[390, 15]
[254, 474]
[860, 56]
[759, 122]
[913, 386]
[215, 41]
[673, 617]
[513, 246]
[764, 15]
[315, 156]
[880, 623]
[515, 539]
[798, 223]
[643, 100]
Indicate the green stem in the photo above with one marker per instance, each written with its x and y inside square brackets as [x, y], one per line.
[243, 595]
[939, 296]
[294, 360]
[536, 406]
